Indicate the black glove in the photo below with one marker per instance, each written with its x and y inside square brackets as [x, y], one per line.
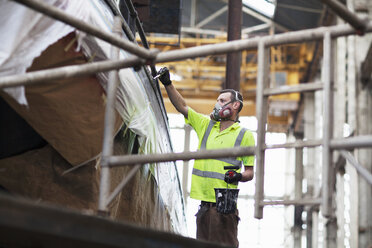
[164, 76]
[232, 176]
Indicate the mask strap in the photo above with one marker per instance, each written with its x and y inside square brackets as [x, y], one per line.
[237, 96]
[227, 104]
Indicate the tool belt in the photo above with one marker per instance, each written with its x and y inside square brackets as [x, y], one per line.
[207, 204]
[204, 207]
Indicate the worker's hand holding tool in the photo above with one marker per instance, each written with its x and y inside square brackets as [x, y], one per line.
[232, 176]
[163, 76]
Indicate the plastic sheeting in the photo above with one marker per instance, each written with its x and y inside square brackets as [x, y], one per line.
[38, 174]
[139, 113]
[136, 101]
[24, 34]
[68, 113]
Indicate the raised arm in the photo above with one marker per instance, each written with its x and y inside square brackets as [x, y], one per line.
[175, 97]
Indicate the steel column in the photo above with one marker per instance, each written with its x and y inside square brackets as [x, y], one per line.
[234, 60]
[261, 113]
[108, 132]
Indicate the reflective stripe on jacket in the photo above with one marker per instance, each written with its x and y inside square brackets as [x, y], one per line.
[212, 175]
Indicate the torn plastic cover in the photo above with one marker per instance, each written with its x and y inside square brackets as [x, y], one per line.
[31, 33]
[25, 34]
[138, 113]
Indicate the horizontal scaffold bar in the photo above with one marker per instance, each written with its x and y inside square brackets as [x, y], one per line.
[315, 201]
[339, 143]
[168, 157]
[45, 76]
[352, 142]
[176, 55]
[60, 15]
[296, 144]
[343, 12]
[360, 169]
[304, 87]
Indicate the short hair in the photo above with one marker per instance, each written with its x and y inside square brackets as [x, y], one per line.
[235, 96]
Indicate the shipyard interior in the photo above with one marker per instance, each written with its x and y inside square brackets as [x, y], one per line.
[98, 143]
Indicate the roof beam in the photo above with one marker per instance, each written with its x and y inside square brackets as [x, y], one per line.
[202, 31]
[212, 17]
[299, 8]
[255, 28]
[263, 18]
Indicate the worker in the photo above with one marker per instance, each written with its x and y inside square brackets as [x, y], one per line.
[220, 130]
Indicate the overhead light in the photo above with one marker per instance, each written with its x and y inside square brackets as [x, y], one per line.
[265, 7]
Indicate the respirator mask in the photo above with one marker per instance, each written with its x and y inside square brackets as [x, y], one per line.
[225, 112]
[221, 112]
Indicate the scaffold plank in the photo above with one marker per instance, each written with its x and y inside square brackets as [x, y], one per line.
[25, 223]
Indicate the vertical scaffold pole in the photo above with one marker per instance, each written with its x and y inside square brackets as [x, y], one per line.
[186, 164]
[327, 124]
[328, 176]
[261, 113]
[299, 175]
[108, 133]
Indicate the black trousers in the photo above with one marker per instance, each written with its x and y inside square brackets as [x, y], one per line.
[216, 227]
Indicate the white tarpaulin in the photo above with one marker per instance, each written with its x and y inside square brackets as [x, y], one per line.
[25, 34]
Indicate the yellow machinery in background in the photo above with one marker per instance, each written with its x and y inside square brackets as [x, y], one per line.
[200, 80]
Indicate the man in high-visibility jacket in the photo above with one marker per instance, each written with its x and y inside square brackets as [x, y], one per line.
[220, 130]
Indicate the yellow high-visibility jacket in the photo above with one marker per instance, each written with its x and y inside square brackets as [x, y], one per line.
[209, 173]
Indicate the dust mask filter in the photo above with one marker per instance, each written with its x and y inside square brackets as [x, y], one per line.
[221, 112]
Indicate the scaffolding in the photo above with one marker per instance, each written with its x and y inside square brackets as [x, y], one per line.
[142, 56]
